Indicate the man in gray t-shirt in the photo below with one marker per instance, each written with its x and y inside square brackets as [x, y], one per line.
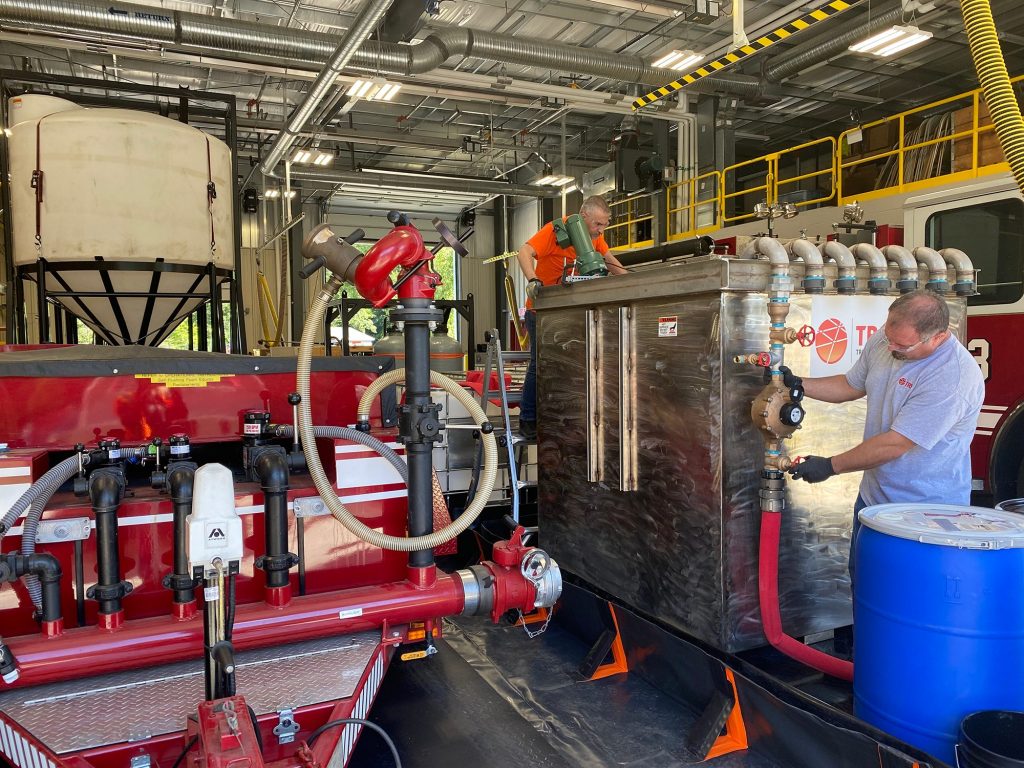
[924, 392]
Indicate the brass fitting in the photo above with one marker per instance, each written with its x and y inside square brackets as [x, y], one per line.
[775, 413]
[778, 311]
[784, 335]
[780, 462]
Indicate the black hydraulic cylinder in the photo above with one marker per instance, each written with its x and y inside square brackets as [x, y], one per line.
[181, 485]
[106, 488]
[271, 467]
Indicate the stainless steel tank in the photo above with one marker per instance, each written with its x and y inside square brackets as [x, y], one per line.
[648, 460]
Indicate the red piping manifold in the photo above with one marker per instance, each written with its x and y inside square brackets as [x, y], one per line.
[401, 247]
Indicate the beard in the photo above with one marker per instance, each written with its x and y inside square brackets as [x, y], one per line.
[898, 355]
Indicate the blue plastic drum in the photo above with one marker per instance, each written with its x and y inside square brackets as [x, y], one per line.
[938, 619]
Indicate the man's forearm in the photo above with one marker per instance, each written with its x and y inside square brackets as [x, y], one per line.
[873, 452]
[614, 265]
[831, 389]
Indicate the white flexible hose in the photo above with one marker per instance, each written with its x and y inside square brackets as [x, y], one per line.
[314, 321]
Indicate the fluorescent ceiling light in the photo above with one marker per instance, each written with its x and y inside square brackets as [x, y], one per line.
[302, 156]
[553, 180]
[324, 158]
[270, 194]
[890, 41]
[373, 90]
[678, 60]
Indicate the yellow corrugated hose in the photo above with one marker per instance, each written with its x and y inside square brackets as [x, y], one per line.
[995, 83]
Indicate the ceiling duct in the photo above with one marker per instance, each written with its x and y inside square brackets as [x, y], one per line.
[372, 12]
[439, 185]
[248, 41]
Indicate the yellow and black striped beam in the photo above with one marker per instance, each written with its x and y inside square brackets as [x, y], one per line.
[826, 11]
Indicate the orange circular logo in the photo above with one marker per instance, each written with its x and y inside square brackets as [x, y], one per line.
[830, 341]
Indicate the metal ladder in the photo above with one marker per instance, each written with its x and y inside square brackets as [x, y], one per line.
[514, 445]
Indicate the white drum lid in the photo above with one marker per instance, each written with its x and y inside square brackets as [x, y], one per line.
[947, 525]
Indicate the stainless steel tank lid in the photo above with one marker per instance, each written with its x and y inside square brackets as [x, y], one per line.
[948, 525]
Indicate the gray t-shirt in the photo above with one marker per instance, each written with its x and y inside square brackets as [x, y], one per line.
[935, 403]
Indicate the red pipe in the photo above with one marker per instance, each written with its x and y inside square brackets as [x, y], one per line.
[158, 640]
[771, 619]
[401, 247]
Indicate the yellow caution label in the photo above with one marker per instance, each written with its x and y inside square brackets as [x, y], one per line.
[413, 655]
[184, 380]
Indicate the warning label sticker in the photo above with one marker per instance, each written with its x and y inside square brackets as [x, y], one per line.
[184, 380]
[668, 326]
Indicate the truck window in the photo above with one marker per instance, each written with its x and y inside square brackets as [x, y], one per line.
[992, 234]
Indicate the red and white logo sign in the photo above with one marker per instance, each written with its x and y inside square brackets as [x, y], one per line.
[831, 340]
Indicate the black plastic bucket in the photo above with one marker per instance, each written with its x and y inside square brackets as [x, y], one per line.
[991, 739]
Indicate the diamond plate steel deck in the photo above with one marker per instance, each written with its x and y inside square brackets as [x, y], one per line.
[135, 705]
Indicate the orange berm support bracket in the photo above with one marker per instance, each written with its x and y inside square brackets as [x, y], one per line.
[734, 737]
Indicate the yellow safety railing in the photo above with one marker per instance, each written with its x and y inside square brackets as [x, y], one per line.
[791, 179]
[739, 199]
[631, 224]
[694, 206]
[945, 141]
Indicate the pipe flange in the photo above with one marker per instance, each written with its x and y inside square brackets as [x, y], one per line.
[879, 285]
[477, 589]
[846, 285]
[906, 286]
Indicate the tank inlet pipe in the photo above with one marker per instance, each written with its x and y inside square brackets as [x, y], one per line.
[965, 276]
[840, 254]
[778, 413]
[936, 266]
[995, 83]
[878, 267]
[314, 321]
[904, 259]
[808, 253]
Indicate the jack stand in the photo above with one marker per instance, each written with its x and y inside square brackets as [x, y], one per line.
[610, 641]
[719, 730]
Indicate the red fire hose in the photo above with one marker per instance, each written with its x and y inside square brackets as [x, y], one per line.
[771, 620]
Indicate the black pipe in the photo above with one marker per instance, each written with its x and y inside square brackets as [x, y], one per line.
[44, 567]
[418, 423]
[106, 488]
[271, 467]
[181, 484]
[697, 246]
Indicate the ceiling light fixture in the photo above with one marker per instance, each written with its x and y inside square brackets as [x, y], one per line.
[373, 90]
[271, 194]
[891, 41]
[553, 180]
[678, 60]
[324, 158]
[302, 156]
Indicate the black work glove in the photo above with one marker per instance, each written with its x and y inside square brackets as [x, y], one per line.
[533, 287]
[789, 379]
[813, 469]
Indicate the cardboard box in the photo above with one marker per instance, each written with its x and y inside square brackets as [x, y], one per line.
[989, 151]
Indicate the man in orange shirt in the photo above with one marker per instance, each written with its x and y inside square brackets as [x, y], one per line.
[543, 263]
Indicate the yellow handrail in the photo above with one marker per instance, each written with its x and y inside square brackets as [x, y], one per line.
[623, 232]
[972, 152]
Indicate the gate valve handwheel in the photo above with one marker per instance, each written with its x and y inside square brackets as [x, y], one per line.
[805, 336]
[448, 238]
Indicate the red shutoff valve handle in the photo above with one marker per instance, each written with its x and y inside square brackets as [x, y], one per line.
[805, 336]
[764, 359]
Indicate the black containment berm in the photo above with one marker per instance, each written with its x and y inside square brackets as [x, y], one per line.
[991, 739]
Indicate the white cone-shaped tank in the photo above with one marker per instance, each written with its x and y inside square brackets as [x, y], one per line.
[119, 202]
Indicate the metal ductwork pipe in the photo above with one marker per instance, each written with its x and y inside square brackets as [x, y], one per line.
[795, 63]
[369, 15]
[254, 42]
[469, 186]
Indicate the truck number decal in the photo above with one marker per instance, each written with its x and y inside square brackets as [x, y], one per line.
[980, 349]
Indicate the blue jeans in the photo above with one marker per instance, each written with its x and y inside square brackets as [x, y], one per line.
[857, 507]
[528, 402]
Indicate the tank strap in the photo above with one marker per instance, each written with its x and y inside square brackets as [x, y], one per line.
[37, 183]
[211, 194]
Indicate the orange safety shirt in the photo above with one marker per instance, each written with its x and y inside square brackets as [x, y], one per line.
[551, 259]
